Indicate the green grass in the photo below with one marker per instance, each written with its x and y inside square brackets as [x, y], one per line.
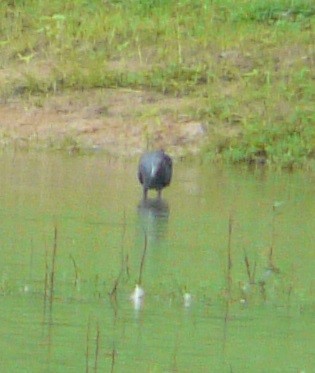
[249, 63]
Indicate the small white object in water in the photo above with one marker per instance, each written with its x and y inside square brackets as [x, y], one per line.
[26, 288]
[187, 299]
[277, 204]
[137, 297]
[138, 293]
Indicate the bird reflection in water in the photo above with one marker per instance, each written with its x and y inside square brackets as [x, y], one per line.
[153, 214]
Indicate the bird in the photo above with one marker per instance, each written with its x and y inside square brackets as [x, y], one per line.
[155, 171]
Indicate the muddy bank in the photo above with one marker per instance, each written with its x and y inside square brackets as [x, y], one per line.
[118, 121]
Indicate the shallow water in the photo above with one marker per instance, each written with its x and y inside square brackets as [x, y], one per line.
[56, 313]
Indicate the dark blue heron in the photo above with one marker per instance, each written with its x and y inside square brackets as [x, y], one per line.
[155, 171]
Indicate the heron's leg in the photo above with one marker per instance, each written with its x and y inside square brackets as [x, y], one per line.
[159, 193]
[145, 193]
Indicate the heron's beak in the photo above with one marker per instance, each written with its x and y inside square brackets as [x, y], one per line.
[153, 171]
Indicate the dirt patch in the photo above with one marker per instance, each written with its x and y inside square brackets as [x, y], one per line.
[120, 122]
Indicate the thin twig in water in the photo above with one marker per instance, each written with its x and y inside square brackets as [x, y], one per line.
[46, 282]
[113, 292]
[254, 273]
[76, 272]
[229, 280]
[127, 266]
[250, 272]
[87, 351]
[52, 273]
[113, 359]
[143, 257]
[226, 319]
[229, 256]
[123, 239]
[124, 257]
[247, 265]
[97, 347]
[273, 236]
[262, 287]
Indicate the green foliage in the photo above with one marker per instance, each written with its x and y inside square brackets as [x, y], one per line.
[272, 11]
[286, 144]
[249, 63]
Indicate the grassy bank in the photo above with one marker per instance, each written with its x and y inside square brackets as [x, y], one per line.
[249, 63]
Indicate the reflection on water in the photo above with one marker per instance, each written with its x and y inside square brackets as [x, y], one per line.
[154, 214]
[56, 314]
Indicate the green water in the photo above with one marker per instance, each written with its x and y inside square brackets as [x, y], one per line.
[255, 317]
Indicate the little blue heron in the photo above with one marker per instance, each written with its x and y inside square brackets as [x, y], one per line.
[155, 171]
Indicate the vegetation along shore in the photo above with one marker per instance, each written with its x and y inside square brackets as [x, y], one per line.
[231, 81]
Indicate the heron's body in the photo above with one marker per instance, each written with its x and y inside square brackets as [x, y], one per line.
[155, 171]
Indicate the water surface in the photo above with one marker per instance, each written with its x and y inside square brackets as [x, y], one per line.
[74, 230]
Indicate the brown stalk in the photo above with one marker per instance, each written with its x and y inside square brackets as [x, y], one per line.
[97, 347]
[87, 351]
[143, 258]
[52, 273]
[229, 256]
[113, 354]
[76, 271]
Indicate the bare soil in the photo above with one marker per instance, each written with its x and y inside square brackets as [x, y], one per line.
[119, 121]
